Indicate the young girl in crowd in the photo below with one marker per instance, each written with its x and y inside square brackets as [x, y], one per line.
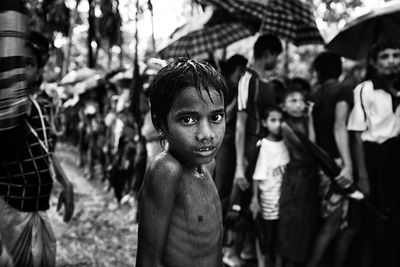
[271, 158]
[299, 211]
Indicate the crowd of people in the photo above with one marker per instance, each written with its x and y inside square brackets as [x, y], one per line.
[267, 198]
[282, 203]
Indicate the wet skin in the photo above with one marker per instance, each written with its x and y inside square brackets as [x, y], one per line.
[180, 220]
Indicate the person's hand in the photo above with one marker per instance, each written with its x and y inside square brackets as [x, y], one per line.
[233, 213]
[345, 177]
[66, 199]
[242, 182]
[240, 179]
[254, 207]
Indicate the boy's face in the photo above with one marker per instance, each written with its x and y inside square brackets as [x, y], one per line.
[196, 126]
[294, 104]
[388, 61]
[273, 123]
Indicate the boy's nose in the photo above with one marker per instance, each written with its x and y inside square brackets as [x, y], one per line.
[204, 132]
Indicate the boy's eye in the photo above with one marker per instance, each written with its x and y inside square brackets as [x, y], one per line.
[187, 120]
[217, 118]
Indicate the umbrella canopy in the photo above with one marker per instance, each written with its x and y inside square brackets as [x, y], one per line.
[291, 20]
[356, 38]
[206, 40]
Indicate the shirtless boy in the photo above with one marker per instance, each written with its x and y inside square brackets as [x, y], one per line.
[180, 221]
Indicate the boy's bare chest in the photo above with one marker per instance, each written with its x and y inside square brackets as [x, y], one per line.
[199, 205]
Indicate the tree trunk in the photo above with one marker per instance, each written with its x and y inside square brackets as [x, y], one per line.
[136, 80]
[90, 39]
[73, 18]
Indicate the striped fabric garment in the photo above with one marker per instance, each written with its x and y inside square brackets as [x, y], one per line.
[13, 87]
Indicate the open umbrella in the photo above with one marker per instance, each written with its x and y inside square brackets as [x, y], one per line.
[356, 38]
[291, 20]
[207, 40]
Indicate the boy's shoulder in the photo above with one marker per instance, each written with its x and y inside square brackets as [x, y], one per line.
[165, 164]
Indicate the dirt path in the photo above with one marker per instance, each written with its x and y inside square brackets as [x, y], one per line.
[101, 233]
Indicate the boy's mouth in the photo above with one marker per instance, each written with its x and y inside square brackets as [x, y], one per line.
[205, 151]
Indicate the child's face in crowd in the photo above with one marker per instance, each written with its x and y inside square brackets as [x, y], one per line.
[388, 61]
[273, 123]
[270, 60]
[32, 74]
[294, 104]
[196, 126]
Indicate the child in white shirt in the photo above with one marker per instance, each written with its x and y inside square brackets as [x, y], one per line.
[272, 158]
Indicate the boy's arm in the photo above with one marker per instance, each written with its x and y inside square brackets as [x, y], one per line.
[66, 196]
[156, 203]
[363, 181]
[311, 131]
[342, 139]
[255, 205]
[240, 137]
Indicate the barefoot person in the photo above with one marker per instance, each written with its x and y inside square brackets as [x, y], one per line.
[180, 218]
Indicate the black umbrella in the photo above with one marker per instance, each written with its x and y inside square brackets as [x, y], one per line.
[356, 38]
[332, 170]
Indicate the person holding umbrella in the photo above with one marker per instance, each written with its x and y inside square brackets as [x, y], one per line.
[332, 102]
[375, 120]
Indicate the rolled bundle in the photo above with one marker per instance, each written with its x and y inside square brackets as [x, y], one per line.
[13, 87]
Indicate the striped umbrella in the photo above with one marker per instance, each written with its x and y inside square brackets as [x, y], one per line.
[291, 20]
[207, 40]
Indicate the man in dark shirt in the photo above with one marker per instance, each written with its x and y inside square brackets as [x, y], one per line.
[332, 103]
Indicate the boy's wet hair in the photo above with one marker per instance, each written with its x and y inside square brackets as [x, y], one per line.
[328, 66]
[176, 76]
[381, 45]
